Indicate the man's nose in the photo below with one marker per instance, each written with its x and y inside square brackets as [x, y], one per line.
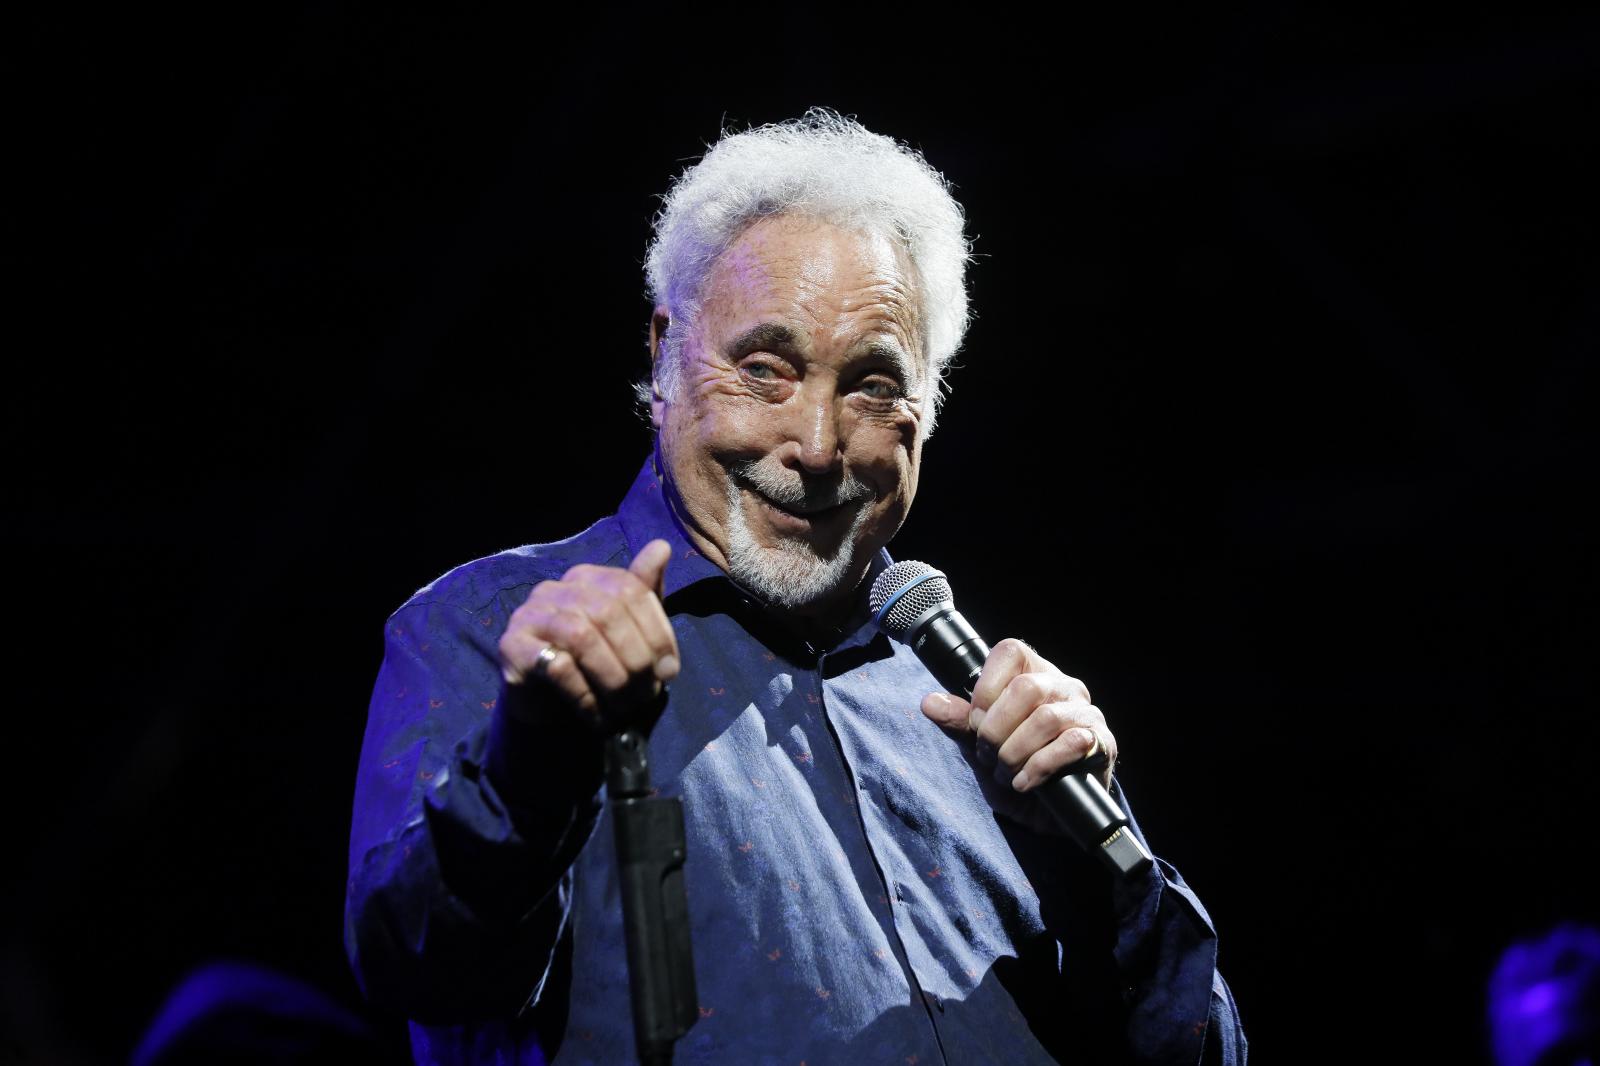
[815, 430]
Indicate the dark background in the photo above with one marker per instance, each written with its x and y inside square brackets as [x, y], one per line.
[1272, 426]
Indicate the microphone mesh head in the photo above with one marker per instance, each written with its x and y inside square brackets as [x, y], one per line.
[913, 587]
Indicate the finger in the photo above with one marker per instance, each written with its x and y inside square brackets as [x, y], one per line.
[1105, 741]
[519, 654]
[648, 644]
[948, 712]
[650, 565]
[1047, 722]
[603, 599]
[519, 657]
[1022, 695]
[574, 632]
[650, 617]
[540, 597]
[961, 719]
[601, 593]
[1006, 660]
[1061, 752]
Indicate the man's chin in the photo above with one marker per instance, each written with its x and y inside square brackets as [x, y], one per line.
[801, 562]
[792, 576]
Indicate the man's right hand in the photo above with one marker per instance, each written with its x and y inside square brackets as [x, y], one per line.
[612, 644]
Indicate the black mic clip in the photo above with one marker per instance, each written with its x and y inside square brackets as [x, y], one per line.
[651, 848]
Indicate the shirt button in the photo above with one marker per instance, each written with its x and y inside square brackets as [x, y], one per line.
[934, 1001]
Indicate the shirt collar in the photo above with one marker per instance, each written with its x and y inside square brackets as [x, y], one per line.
[645, 515]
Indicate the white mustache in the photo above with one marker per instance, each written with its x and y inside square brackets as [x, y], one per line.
[796, 491]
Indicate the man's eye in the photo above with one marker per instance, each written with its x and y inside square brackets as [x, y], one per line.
[882, 389]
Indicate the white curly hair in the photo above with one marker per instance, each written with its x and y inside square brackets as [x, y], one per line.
[822, 166]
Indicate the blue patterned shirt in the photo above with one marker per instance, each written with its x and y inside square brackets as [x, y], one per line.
[854, 895]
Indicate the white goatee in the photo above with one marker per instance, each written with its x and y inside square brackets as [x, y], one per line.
[790, 573]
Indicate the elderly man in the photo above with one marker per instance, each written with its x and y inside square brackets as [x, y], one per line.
[868, 878]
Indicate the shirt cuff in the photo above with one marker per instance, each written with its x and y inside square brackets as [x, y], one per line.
[1166, 953]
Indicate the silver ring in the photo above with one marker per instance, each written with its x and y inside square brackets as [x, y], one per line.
[541, 663]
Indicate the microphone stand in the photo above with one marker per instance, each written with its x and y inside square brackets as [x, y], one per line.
[655, 909]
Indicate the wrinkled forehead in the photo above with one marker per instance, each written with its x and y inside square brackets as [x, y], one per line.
[793, 260]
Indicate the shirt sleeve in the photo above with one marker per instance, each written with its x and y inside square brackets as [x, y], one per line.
[466, 823]
[1138, 980]
[1180, 1010]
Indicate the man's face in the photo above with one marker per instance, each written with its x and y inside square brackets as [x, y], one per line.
[794, 437]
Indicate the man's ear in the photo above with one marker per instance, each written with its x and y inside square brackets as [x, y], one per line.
[659, 321]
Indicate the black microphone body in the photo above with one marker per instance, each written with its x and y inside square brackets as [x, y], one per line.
[954, 653]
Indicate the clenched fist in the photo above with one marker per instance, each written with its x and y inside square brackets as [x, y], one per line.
[611, 648]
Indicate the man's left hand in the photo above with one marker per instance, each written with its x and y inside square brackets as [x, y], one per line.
[1031, 719]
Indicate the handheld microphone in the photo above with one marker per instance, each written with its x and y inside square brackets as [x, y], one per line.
[912, 603]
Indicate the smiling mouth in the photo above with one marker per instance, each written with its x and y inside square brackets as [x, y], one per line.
[792, 517]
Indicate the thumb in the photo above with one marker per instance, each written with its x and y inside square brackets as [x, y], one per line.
[949, 712]
[650, 565]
